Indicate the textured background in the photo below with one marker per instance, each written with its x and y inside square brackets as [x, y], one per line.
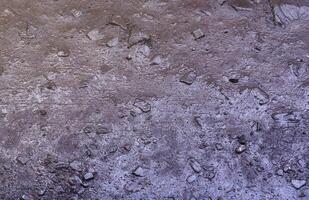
[117, 99]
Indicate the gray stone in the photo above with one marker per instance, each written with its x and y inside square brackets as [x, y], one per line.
[103, 129]
[156, 61]
[139, 171]
[198, 34]
[195, 166]
[75, 180]
[88, 176]
[298, 183]
[240, 149]
[22, 159]
[95, 35]
[191, 178]
[63, 53]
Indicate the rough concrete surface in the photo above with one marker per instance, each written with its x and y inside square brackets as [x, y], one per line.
[154, 99]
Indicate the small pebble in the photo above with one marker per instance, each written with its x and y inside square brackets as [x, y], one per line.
[88, 176]
[188, 78]
[198, 34]
[139, 171]
[240, 149]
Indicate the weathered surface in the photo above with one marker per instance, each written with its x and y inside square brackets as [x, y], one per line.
[182, 99]
[288, 11]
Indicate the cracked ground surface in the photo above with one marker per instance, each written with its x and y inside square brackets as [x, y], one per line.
[140, 99]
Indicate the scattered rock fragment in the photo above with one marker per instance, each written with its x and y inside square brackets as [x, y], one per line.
[286, 119]
[103, 129]
[75, 180]
[144, 51]
[156, 61]
[260, 95]
[22, 159]
[240, 149]
[191, 178]
[27, 197]
[188, 78]
[63, 53]
[195, 165]
[76, 13]
[298, 183]
[139, 171]
[95, 35]
[298, 68]
[142, 105]
[113, 42]
[76, 165]
[88, 176]
[138, 37]
[198, 34]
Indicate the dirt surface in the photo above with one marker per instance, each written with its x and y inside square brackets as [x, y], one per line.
[154, 99]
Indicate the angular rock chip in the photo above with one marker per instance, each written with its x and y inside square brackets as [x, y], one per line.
[95, 35]
[63, 53]
[139, 171]
[88, 176]
[198, 34]
[188, 78]
[191, 178]
[195, 166]
[298, 183]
